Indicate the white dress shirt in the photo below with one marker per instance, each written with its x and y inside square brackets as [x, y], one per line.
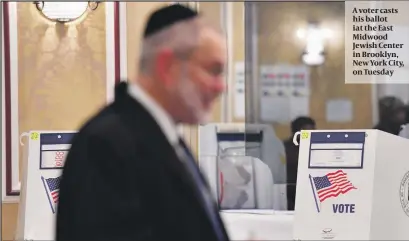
[165, 122]
[161, 117]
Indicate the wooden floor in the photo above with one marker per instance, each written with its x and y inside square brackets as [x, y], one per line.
[8, 221]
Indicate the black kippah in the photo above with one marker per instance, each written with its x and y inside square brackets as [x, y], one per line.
[166, 16]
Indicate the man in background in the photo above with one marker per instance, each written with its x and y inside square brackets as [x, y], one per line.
[392, 115]
[405, 128]
[129, 176]
[292, 151]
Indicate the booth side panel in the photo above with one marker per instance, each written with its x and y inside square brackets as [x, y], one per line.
[390, 206]
[303, 190]
[20, 230]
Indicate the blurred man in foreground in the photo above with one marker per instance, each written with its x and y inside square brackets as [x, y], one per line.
[291, 152]
[129, 175]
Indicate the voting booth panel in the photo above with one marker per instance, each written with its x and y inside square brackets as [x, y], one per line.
[238, 161]
[45, 153]
[352, 185]
[258, 224]
[239, 182]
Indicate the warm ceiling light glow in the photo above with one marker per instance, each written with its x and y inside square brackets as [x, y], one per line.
[301, 33]
[315, 38]
[64, 11]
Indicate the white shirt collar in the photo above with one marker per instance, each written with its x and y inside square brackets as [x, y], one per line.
[163, 119]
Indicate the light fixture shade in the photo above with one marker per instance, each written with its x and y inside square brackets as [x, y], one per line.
[62, 11]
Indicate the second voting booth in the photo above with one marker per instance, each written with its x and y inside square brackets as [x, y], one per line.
[352, 185]
[244, 164]
[44, 156]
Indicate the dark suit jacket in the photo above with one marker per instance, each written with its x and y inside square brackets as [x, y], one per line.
[123, 181]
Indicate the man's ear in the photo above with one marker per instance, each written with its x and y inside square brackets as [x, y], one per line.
[163, 66]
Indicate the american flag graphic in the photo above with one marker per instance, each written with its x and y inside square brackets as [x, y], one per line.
[54, 187]
[332, 185]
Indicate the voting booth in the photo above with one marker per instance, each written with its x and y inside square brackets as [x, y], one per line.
[233, 179]
[244, 165]
[352, 185]
[44, 156]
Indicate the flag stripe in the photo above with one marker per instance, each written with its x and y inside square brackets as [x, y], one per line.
[335, 190]
[343, 187]
[54, 187]
[335, 194]
[55, 196]
[339, 184]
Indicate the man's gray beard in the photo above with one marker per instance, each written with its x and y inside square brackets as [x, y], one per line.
[202, 117]
[190, 97]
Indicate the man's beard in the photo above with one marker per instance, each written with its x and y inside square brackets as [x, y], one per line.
[191, 97]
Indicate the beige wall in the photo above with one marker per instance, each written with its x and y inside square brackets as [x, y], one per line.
[8, 220]
[61, 69]
[278, 23]
[136, 14]
[238, 43]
